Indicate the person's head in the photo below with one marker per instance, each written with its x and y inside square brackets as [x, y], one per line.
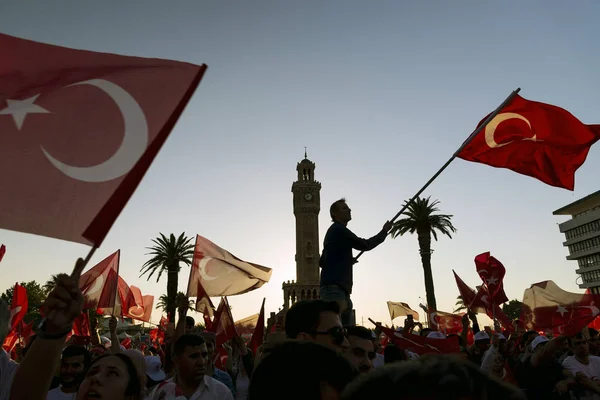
[74, 362]
[361, 351]
[300, 371]
[482, 340]
[499, 341]
[154, 372]
[579, 345]
[140, 364]
[113, 377]
[527, 338]
[340, 212]
[190, 358]
[538, 343]
[318, 321]
[430, 378]
[211, 342]
[4, 320]
[393, 353]
[189, 324]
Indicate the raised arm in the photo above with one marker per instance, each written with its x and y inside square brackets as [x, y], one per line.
[361, 244]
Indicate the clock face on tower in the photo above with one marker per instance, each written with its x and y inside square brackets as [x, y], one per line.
[308, 196]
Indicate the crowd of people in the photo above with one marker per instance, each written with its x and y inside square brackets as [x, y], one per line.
[315, 358]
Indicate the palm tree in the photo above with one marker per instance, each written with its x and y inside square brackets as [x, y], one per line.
[167, 254]
[459, 305]
[162, 301]
[421, 217]
[49, 285]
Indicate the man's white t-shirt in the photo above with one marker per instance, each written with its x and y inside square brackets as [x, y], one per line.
[58, 394]
[591, 370]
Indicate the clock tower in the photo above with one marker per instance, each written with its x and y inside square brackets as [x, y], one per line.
[307, 204]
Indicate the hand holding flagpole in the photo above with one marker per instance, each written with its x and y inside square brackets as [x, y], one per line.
[465, 143]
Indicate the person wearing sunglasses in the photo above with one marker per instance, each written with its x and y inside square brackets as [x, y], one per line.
[316, 321]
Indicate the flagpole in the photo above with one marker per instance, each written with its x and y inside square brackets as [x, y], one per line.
[465, 143]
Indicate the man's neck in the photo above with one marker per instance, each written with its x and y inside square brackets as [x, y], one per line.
[210, 369]
[343, 223]
[189, 387]
[68, 388]
[584, 360]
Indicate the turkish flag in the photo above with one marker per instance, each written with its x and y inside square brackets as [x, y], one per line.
[204, 304]
[258, 336]
[467, 294]
[19, 307]
[245, 326]
[99, 284]
[535, 139]
[223, 326]
[221, 273]
[400, 309]
[137, 306]
[445, 322]
[79, 131]
[491, 271]
[157, 335]
[422, 345]
[492, 309]
[2, 252]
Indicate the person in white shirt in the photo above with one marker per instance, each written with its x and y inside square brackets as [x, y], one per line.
[74, 363]
[190, 359]
[493, 359]
[8, 368]
[584, 367]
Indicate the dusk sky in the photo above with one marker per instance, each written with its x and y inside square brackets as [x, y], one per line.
[381, 93]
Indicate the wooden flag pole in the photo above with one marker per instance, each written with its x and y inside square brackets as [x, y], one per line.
[465, 143]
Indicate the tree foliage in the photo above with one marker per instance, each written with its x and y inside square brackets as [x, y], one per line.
[512, 309]
[36, 294]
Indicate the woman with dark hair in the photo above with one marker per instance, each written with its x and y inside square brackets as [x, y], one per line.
[111, 376]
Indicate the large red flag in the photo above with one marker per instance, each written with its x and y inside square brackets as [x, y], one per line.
[535, 139]
[422, 345]
[2, 252]
[204, 304]
[80, 130]
[19, 307]
[491, 271]
[221, 273]
[99, 284]
[547, 307]
[138, 307]
[467, 294]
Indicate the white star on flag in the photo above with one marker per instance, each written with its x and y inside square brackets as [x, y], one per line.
[562, 310]
[492, 280]
[20, 108]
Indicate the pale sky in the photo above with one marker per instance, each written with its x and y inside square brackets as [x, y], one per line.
[381, 93]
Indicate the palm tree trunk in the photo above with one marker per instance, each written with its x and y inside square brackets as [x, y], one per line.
[172, 278]
[425, 251]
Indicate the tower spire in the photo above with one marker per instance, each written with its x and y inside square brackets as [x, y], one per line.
[305, 156]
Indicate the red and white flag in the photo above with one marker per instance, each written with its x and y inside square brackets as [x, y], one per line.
[491, 271]
[79, 131]
[468, 295]
[245, 327]
[221, 273]
[422, 345]
[547, 307]
[18, 308]
[204, 304]
[445, 322]
[99, 284]
[223, 326]
[138, 307]
[399, 309]
[535, 139]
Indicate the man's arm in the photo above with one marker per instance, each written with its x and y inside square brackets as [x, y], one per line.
[366, 244]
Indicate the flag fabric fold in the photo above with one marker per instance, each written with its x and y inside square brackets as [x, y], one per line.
[535, 139]
[258, 336]
[220, 273]
[138, 306]
[400, 309]
[2, 251]
[223, 326]
[99, 285]
[18, 308]
[422, 345]
[81, 129]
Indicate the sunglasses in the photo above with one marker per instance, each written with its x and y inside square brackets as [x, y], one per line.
[337, 333]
